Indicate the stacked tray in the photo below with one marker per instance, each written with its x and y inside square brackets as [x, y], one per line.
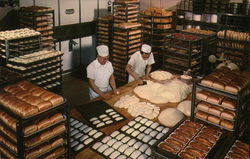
[126, 11]
[82, 135]
[126, 41]
[208, 42]
[104, 28]
[35, 134]
[18, 42]
[132, 140]
[222, 103]
[188, 139]
[235, 46]
[99, 114]
[157, 23]
[41, 19]
[183, 52]
[43, 68]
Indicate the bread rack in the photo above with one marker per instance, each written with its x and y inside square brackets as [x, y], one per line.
[45, 72]
[8, 77]
[182, 54]
[40, 20]
[208, 43]
[21, 137]
[103, 30]
[127, 11]
[154, 35]
[241, 98]
[124, 45]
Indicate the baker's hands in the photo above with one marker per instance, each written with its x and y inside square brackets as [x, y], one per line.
[116, 91]
[105, 95]
[140, 81]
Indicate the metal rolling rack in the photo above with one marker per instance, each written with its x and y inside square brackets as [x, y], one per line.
[124, 44]
[126, 11]
[241, 98]
[46, 73]
[154, 33]
[104, 30]
[40, 19]
[19, 46]
[208, 43]
[238, 51]
[182, 54]
[21, 137]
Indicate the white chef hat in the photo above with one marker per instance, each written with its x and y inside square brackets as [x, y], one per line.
[146, 48]
[102, 50]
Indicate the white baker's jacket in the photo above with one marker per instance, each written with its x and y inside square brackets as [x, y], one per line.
[139, 64]
[101, 75]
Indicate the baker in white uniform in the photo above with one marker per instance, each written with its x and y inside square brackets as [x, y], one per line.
[100, 74]
[139, 64]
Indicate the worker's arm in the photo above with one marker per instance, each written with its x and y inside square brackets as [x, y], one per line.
[132, 73]
[113, 84]
[148, 69]
[96, 89]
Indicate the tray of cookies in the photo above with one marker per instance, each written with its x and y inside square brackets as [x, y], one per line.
[133, 140]
[99, 114]
[82, 135]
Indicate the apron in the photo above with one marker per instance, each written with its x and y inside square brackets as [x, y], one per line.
[102, 76]
[139, 68]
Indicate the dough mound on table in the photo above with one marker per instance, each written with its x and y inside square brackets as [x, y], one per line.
[126, 101]
[161, 75]
[174, 91]
[170, 117]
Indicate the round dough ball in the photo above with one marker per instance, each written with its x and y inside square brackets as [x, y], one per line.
[185, 107]
[170, 117]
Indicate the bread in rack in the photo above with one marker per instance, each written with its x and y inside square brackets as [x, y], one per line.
[26, 99]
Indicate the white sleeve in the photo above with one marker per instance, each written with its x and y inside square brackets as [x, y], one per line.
[151, 59]
[111, 68]
[90, 72]
[132, 60]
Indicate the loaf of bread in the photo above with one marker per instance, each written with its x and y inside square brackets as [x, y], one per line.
[229, 103]
[43, 123]
[215, 110]
[204, 106]
[203, 95]
[59, 151]
[30, 129]
[57, 142]
[228, 114]
[55, 118]
[201, 115]
[227, 124]
[213, 119]
[208, 81]
[44, 148]
[59, 129]
[215, 98]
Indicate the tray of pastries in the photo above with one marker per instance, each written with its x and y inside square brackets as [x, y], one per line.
[82, 135]
[100, 114]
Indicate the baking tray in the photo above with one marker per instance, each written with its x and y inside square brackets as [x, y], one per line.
[36, 115]
[165, 154]
[220, 91]
[35, 62]
[96, 110]
[133, 141]
[61, 134]
[82, 135]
